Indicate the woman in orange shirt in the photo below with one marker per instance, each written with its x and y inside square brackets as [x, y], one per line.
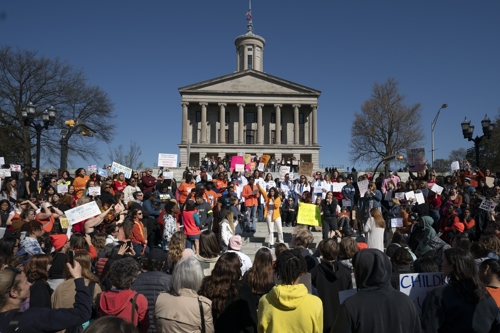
[139, 234]
[184, 190]
[120, 184]
[80, 182]
[489, 273]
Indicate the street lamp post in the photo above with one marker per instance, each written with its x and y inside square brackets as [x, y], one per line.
[433, 124]
[48, 117]
[468, 131]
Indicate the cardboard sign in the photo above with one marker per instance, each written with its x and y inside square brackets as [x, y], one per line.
[488, 205]
[168, 174]
[283, 171]
[15, 168]
[418, 285]
[397, 222]
[363, 187]
[239, 167]
[437, 189]
[416, 159]
[308, 214]
[264, 159]
[167, 160]
[306, 168]
[94, 191]
[337, 187]
[117, 168]
[490, 181]
[83, 212]
[62, 188]
[92, 168]
[64, 222]
[5, 173]
[102, 172]
[455, 166]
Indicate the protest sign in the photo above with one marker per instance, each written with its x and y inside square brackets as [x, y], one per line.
[264, 159]
[308, 214]
[253, 165]
[490, 181]
[399, 195]
[2, 160]
[345, 294]
[283, 171]
[337, 187]
[270, 184]
[397, 222]
[62, 188]
[261, 167]
[92, 168]
[15, 168]
[436, 189]
[64, 222]
[168, 174]
[117, 168]
[5, 173]
[94, 191]
[455, 166]
[236, 160]
[239, 167]
[418, 285]
[363, 187]
[346, 203]
[420, 198]
[83, 212]
[102, 172]
[167, 160]
[247, 158]
[416, 159]
[164, 197]
[410, 195]
[488, 205]
[306, 168]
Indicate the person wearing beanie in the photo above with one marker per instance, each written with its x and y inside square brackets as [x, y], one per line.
[235, 244]
[61, 246]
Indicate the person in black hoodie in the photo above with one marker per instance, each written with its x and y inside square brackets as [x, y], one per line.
[377, 306]
[329, 278]
[15, 288]
[329, 214]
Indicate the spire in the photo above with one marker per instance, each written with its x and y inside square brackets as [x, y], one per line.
[249, 47]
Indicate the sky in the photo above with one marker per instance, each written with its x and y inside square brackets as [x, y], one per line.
[141, 52]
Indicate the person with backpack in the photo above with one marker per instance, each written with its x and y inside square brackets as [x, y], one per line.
[121, 301]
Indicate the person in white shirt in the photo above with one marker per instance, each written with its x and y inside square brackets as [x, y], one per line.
[286, 186]
[129, 191]
[302, 186]
[319, 187]
[235, 244]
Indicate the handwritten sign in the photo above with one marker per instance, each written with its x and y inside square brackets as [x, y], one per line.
[306, 168]
[167, 160]
[64, 222]
[83, 212]
[94, 191]
[117, 168]
[168, 174]
[455, 166]
[488, 205]
[363, 187]
[397, 222]
[239, 167]
[418, 285]
[416, 159]
[437, 189]
[92, 168]
[102, 172]
[15, 168]
[337, 187]
[308, 214]
[5, 173]
[62, 188]
[283, 171]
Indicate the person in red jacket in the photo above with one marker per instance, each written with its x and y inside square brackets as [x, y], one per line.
[122, 302]
[148, 181]
[450, 224]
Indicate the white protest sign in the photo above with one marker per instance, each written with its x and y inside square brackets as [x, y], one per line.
[239, 167]
[337, 187]
[488, 205]
[15, 168]
[420, 198]
[117, 168]
[2, 160]
[399, 195]
[436, 189]
[416, 159]
[102, 172]
[168, 174]
[62, 188]
[346, 203]
[83, 212]
[455, 166]
[397, 222]
[261, 167]
[167, 160]
[283, 171]
[363, 187]
[5, 173]
[94, 191]
[418, 285]
[92, 168]
[410, 195]
[270, 184]
[345, 294]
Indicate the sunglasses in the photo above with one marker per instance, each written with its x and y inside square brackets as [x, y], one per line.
[16, 271]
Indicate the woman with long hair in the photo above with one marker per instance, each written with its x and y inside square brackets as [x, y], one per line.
[11, 188]
[176, 247]
[80, 242]
[119, 184]
[185, 316]
[4, 212]
[139, 233]
[227, 228]
[328, 213]
[489, 273]
[272, 214]
[37, 272]
[233, 307]
[372, 198]
[374, 230]
[9, 245]
[456, 306]
[260, 277]
[209, 252]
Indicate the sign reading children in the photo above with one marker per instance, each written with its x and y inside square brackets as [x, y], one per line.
[418, 285]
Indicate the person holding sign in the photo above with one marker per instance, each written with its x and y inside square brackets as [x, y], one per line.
[464, 304]
[272, 213]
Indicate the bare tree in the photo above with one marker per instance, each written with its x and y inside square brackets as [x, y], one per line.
[385, 125]
[128, 158]
[457, 154]
[24, 78]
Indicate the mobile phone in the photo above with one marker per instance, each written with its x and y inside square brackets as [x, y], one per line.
[71, 254]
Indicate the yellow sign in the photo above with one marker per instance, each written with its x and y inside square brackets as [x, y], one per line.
[64, 222]
[308, 214]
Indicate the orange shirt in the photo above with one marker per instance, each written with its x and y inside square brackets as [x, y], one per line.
[138, 236]
[79, 183]
[250, 199]
[184, 190]
[220, 183]
[211, 197]
[495, 293]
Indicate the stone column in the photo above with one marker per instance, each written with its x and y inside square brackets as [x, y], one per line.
[314, 124]
[278, 123]
[241, 123]
[296, 123]
[222, 122]
[260, 130]
[203, 138]
[184, 122]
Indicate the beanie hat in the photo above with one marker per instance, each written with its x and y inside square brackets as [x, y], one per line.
[58, 241]
[235, 243]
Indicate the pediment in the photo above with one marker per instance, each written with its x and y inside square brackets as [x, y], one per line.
[249, 82]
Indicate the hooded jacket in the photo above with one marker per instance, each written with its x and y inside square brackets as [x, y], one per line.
[289, 308]
[377, 306]
[118, 303]
[428, 234]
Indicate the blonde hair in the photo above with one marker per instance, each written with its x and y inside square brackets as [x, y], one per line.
[377, 217]
[176, 246]
[229, 216]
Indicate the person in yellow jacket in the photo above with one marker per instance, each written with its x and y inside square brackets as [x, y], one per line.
[272, 214]
[288, 307]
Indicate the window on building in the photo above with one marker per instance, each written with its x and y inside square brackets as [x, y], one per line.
[198, 116]
[273, 118]
[250, 117]
[250, 137]
[250, 64]
[249, 49]
[273, 136]
[301, 119]
[226, 133]
[227, 117]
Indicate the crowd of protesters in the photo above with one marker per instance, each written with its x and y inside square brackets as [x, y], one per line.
[166, 255]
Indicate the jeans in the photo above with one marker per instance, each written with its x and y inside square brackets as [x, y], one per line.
[270, 229]
[139, 247]
[260, 212]
[252, 213]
